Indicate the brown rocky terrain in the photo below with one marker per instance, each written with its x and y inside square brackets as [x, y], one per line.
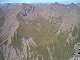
[38, 31]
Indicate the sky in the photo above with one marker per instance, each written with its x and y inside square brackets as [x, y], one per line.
[40, 1]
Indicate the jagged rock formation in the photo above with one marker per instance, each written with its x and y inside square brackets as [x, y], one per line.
[38, 32]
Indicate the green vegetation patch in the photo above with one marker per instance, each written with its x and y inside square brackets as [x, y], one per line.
[43, 33]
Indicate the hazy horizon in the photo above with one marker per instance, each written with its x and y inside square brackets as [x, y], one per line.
[40, 1]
